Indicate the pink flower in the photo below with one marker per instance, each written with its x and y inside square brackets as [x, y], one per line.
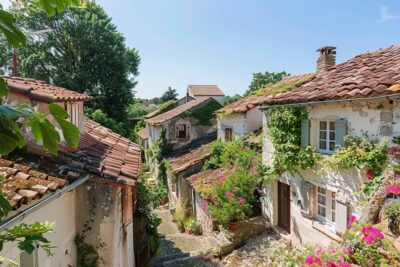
[213, 198]
[331, 264]
[318, 251]
[395, 189]
[204, 204]
[348, 250]
[352, 219]
[344, 264]
[369, 239]
[228, 194]
[240, 200]
[370, 173]
[371, 234]
[312, 259]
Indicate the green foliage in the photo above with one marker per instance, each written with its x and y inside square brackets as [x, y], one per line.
[137, 110]
[362, 154]
[28, 236]
[204, 113]
[229, 153]
[102, 118]
[392, 213]
[169, 95]
[83, 52]
[230, 99]
[284, 128]
[138, 126]
[191, 224]
[261, 80]
[231, 194]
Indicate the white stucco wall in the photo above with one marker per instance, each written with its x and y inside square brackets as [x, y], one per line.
[62, 212]
[254, 119]
[236, 121]
[379, 120]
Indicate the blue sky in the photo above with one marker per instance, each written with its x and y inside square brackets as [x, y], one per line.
[224, 41]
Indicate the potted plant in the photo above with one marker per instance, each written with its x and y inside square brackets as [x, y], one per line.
[190, 224]
[162, 193]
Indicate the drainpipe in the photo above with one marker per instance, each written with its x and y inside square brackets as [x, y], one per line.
[20, 216]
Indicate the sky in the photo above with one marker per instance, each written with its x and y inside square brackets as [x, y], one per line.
[223, 42]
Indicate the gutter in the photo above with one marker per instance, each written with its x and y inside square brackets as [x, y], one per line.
[388, 97]
[20, 216]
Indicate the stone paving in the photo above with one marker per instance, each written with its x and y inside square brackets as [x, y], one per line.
[256, 251]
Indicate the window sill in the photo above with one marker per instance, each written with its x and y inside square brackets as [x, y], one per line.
[326, 230]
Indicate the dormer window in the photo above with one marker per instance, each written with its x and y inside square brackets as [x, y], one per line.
[73, 111]
[326, 139]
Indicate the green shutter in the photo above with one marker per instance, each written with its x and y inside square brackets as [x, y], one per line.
[305, 133]
[340, 131]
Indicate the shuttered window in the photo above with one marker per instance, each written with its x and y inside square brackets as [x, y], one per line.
[326, 205]
[340, 132]
[305, 133]
[326, 136]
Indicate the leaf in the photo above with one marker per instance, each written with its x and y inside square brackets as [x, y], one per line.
[3, 87]
[70, 131]
[5, 207]
[51, 6]
[14, 36]
[11, 112]
[10, 135]
[43, 130]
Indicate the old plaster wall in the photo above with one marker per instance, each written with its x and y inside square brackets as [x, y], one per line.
[378, 120]
[254, 119]
[235, 121]
[202, 216]
[62, 212]
[102, 203]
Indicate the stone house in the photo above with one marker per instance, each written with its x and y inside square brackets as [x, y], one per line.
[200, 91]
[95, 184]
[180, 126]
[358, 97]
[183, 163]
[244, 116]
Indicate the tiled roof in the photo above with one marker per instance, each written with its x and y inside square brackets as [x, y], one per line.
[205, 177]
[251, 101]
[24, 183]
[152, 114]
[177, 111]
[41, 91]
[105, 153]
[367, 75]
[191, 158]
[144, 133]
[205, 90]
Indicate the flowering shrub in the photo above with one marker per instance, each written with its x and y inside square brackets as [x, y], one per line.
[230, 194]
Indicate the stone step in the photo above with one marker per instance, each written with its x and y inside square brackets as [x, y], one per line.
[197, 261]
[159, 261]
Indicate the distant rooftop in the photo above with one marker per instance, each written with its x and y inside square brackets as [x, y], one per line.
[205, 90]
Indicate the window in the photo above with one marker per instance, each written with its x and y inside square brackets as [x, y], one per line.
[326, 205]
[326, 137]
[182, 131]
[228, 134]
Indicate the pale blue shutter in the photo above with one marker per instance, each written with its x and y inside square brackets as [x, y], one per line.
[340, 131]
[305, 133]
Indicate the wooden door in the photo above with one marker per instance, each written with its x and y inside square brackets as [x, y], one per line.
[228, 134]
[284, 206]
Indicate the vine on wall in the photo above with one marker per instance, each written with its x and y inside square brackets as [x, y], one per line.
[205, 113]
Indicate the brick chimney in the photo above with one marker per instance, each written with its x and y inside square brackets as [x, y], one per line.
[326, 60]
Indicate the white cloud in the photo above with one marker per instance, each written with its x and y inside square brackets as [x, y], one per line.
[385, 15]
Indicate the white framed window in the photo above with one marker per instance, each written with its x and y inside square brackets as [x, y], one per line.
[326, 137]
[326, 205]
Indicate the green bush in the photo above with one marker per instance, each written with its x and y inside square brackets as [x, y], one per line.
[392, 213]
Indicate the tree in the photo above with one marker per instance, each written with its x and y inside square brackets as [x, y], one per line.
[170, 94]
[261, 80]
[83, 52]
[230, 99]
[13, 120]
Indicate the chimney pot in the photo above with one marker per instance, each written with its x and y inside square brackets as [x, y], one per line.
[326, 60]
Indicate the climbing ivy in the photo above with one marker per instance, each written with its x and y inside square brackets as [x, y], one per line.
[205, 113]
[284, 128]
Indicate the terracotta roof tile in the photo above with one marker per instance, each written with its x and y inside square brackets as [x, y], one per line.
[21, 186]
[144, 133]
[190, 158]
[41, 91]
[105, 152]
[369, 74]
[262, 96]
[204, 90]
[177, 111]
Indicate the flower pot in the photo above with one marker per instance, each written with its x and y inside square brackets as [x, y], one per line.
[189, 231]
[233, 225]
[163, 202]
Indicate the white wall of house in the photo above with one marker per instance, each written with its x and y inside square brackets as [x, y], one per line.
[62, 212]
[379, 120]
[254, 119]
